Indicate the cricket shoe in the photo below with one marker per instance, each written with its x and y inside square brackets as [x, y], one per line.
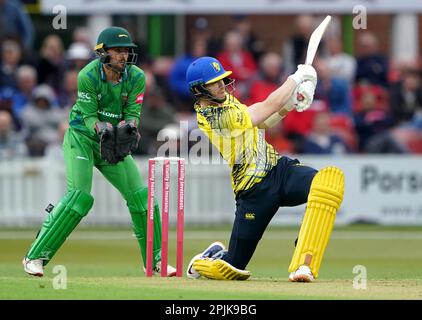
[209, 252]
[33, 267]
[302, 274]
[171, 271]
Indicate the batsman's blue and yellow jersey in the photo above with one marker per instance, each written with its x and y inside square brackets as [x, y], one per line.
[243, 146]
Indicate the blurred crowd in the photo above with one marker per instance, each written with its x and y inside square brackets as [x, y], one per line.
[364, 103]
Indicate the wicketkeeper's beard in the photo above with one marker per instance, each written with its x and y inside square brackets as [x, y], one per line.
[118, 67]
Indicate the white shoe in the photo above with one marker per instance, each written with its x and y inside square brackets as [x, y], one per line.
[210, 251]
[302, 274]
[171, 271]
[33, 267]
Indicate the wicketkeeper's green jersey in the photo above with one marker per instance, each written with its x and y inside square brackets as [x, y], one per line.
[100, 100]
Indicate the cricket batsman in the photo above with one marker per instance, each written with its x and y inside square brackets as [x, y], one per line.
[262, 180]
[103, 133]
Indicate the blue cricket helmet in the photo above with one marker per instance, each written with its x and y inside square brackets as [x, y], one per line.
[205, 70]
[202, 71]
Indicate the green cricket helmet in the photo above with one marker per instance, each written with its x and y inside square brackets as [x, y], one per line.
[115, 37]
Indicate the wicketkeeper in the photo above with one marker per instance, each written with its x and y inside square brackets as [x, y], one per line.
[103, 133]
[262, 180]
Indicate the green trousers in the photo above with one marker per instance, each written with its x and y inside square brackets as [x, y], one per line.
[81, 156]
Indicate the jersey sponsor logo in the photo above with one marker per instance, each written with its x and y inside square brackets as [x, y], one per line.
[84, 96]
[140, 98]
[216, 66]
[109, 114]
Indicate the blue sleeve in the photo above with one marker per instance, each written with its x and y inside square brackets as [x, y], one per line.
[341, 97]
[25, 26]
[309, 147]
[177, 78]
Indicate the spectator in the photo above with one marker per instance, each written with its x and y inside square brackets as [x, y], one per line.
[156, 114]
[69, 92]
[177, 80]
[202, 31]
[298, 125]
[11, 142]
[385, 143]
[161, 67]
[379, 92]
[15, 23]
[372, 66]
[406, 96]
[275, 137]
[6, 104]
[341, 64]
[334, 91]
[54, 150]
[11, 55]
[82, 35]
[321, 140]
[26, 82]
[269, 78]
[371, 120]
[251, 43]
[294, 49]
[233, 57]
[40, 120]
[51, 64]
[78, 56]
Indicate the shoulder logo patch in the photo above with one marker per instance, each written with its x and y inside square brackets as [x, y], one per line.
[139, 98]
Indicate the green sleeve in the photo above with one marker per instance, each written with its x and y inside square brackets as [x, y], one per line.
[87, 101]
[135, 99]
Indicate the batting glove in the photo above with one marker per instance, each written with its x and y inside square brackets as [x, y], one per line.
[304, 72]
[302, 97]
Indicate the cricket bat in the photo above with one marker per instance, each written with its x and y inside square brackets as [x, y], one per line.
[316, 39]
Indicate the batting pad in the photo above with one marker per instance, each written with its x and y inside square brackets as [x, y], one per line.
[219, 270]
[59, 224]
[324, 199]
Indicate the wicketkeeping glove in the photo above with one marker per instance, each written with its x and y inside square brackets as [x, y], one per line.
[127, 138]
[302, 97]
[105, 131]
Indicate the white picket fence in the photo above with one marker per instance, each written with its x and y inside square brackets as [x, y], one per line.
[385, 189]
[28, 186]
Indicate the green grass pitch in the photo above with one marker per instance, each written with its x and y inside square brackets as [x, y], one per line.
[105, 264]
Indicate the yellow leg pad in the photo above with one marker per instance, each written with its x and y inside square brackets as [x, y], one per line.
[324, 199]
[219, 270]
